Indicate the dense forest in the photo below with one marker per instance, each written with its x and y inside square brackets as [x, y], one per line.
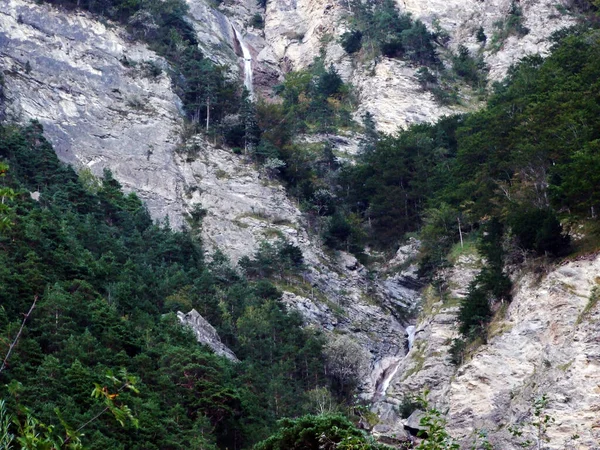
[106, 280]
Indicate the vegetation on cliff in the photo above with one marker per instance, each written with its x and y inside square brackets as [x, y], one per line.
[107, 279]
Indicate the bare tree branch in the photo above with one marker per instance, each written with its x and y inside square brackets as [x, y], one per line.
[14, 342]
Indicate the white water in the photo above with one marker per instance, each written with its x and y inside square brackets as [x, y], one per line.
[393, 368]
[247, 63]
[389, 375]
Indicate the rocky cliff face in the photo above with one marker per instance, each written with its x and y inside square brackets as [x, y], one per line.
[86, 83]
[546, 344]
[296, 31]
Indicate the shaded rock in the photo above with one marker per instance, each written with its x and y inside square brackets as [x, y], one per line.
[413, 423]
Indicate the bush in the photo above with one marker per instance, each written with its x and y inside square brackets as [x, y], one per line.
[351, 41]
[457, 351]
[469, 68]
[481, 37]
[408, 405]
[323, 432]
[257, 21]
[538, 230]
[475, 312]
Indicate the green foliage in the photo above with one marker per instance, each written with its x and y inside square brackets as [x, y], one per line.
[457, 351]
[538, 230]
[390, 185]
[107, 279]
[511, 25]
[471, 69]
[340, 233]
[435, 435]
[534, 431]
[29, 433]
[481, 36]
[351, 41]
[491, 285]
[395, 35]
[315, 99]
[279, 258]
[326, 432]
[257, 21]
[530, 152]
[409, 404]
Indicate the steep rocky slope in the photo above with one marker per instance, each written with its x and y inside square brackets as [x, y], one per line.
[86, 82]
[546, 344]
[298, 30]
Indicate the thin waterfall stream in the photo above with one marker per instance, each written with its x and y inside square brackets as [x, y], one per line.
[389, 373]
[247, 63]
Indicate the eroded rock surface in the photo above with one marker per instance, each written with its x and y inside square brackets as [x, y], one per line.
[85, 82]
[547, 344]
[296, 31]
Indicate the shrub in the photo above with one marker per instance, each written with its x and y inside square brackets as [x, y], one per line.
[392, 48]
[351, 41]
[323, 432]
[481, 37]
[408, 405]
[538, 230]
[257, 21]
[469, 68]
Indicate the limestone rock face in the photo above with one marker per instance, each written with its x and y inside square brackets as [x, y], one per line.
[206, 333]
[547, 344]
[297, 30]
[85, 82]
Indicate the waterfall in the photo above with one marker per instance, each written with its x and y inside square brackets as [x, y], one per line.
[247, 62]
[388, 374]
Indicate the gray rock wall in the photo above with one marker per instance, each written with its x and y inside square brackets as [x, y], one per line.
[84, 81]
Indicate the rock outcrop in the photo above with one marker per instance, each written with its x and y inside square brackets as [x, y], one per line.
[86, 84]
[546, 345]
[297, 32]
[206, 333]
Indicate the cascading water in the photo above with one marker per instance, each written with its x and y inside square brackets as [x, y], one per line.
[389, 373]
[247, 63]
[410, 336]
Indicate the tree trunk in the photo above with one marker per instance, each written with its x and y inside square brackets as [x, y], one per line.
[207, 113]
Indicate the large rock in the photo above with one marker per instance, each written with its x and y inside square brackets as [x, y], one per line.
[206, 333]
